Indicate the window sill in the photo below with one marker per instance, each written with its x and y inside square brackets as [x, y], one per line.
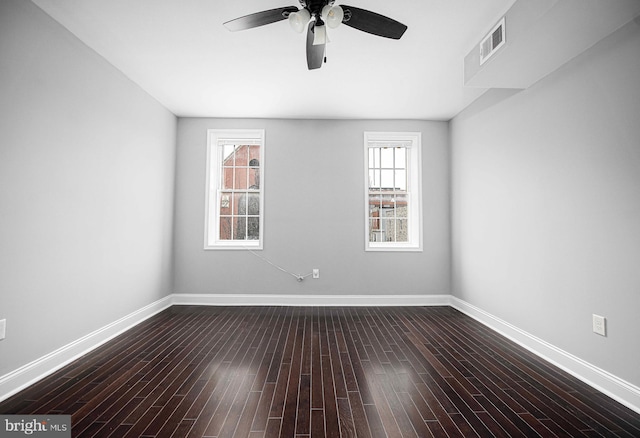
[257, 246]
[394, 248]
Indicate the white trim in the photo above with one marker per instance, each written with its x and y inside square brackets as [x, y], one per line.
[30, 373]
[19, 379]
[618, 389]
[212, 206]
[413, 142]
[309, 300]
[605, 382]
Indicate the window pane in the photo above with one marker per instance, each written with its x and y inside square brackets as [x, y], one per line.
[374, 219]
[386, 179]
[226, 203]
[386, 157]
[401, 158]
[388, 224]
[391, 210]
[254, 156]
[228, 154]
[375, 202]
[225, 228]
[389, 201]
[375, 233]
[240, 178]
[253, 204]
[242, 153]
[240, 227]
[253, 228]
[240, 203]
[400, 180]
[227, 178]
[374, 179]
[253, 176]
[376, 158]
[401, 230]
[401, 206]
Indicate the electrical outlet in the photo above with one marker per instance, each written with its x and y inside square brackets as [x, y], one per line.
[599, 325]
[316, 273]
[3, 328]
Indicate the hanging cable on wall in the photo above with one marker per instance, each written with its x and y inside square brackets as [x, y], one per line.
[280, 268]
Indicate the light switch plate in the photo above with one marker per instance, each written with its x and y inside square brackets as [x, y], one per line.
[3, 328]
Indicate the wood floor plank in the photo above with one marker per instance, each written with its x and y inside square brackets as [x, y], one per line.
[303, 410]
[195, 371]
[359, 416]
[225, 419]
[345, 418]
[261, 417]
[243, 425]
[293, 385]
[317, 423]
[317, 396]
[332, 424]
[384, 411]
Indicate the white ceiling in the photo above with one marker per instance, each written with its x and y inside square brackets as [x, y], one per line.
[182, 55]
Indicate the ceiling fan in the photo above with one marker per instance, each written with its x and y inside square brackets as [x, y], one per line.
[315, 16]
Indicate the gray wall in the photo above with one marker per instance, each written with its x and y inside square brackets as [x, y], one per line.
[86, 189]
[546, 205]
[314, 207]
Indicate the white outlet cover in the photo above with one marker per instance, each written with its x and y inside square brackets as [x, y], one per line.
[599, 325]
[3, 328]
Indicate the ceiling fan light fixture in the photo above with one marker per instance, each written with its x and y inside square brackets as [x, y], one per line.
[332, 15]
[315, 16]
[320, 34]
[298, 20]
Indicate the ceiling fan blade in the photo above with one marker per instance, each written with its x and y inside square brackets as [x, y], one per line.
[260, 18]
[315, 54]
[373, 23]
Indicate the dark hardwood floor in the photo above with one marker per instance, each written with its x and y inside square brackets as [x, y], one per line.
[295, 372]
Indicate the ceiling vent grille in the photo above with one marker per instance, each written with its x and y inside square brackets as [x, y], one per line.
[492, 42]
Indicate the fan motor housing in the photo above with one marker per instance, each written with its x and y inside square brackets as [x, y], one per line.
[315, 6]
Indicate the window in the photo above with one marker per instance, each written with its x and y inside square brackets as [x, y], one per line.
[235, 189]
[392, 191]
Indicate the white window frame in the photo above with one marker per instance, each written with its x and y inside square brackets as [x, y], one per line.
[413, 142]
[216, 137]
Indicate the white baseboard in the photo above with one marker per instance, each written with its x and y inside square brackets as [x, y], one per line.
[616, 388]
[30, 373]
[309, 300]
[605, 382]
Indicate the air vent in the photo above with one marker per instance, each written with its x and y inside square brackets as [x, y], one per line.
[492, 42]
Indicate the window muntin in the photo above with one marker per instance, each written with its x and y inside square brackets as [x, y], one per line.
[392, 194]
[235, 189]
